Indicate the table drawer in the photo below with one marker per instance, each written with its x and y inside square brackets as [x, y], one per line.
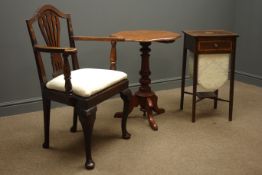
[215, 45]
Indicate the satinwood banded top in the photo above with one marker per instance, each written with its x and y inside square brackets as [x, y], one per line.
[207, 33]
[148, 35]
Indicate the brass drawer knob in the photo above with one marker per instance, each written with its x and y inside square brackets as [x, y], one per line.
[215, 45]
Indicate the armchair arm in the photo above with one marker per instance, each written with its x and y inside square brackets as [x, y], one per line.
[94, 38]
[67, 50]
[111, 39]
[66, 68]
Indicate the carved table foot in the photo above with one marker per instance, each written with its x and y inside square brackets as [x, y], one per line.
[148, 104]
[152, 101]
[151, 120]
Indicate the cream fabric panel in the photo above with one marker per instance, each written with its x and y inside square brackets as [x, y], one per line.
[212, 70]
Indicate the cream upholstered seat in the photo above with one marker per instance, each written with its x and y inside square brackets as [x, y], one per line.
[88, 81]
[212, 70]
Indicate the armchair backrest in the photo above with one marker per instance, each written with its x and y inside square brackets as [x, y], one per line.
[48, 19]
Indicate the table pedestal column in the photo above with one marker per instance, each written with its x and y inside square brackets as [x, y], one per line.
[145, 97]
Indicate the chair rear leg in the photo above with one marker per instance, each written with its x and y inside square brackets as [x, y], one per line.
[46, 109]
[126, 96]
[87, 120]
[74, 127]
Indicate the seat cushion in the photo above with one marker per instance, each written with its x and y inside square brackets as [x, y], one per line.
[88, 81]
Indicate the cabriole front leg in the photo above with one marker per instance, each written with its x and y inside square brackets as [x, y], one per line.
[87, 120]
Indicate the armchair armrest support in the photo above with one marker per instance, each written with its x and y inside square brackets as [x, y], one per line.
[67, 74]
[66, 68]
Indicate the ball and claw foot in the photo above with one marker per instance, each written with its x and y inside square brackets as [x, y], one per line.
[73, 129]
[45, 145]
[90, 164]
[126, 136]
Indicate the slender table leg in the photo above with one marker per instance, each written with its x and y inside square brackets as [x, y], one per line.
[145, 97]
[195, 79]
[232, 79]
[183, 76]
[215, 100]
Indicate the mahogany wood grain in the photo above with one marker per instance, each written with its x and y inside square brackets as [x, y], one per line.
[48, 19]
[208, 42]
[94, 38]
[145, 97]
[210, 33]
[148, 36]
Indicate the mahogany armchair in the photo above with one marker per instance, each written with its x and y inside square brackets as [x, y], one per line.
[82, 88]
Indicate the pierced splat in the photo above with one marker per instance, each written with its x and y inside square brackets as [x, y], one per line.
[49, 25]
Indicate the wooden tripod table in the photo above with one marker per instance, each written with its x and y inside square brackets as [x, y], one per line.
[145, 97]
